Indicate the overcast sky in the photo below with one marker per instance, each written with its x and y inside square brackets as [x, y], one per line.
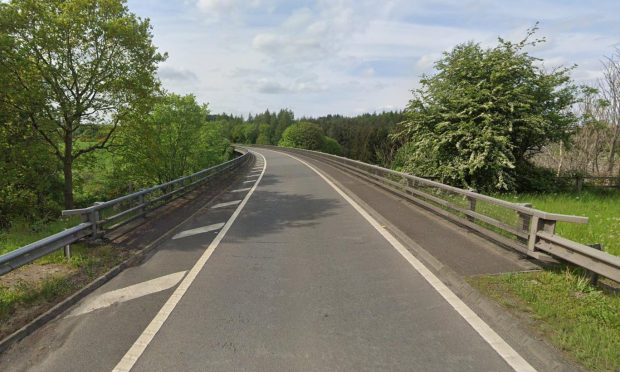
[350, 57]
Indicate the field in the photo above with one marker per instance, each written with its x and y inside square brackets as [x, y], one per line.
[603, 209]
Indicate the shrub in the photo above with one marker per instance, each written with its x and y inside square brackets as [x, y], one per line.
[332, 146]
[304, 136]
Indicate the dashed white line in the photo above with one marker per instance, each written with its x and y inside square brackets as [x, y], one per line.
[131, 357]
[128, 293]
[516, 361]
[242, 190]
[198, 230]
[227, 204]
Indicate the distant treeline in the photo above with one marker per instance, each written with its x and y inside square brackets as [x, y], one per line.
[363, 137]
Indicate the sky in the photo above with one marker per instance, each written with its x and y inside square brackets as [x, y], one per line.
[353, 56]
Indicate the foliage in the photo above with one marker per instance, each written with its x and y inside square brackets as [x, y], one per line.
[484, 113]
[74, 64]
[24, 193]
[331, 146]
[363, 137]
[304, 136]
[264, 135]
[173, 140]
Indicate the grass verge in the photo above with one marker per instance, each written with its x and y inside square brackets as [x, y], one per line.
[33, 289]
[563, 307]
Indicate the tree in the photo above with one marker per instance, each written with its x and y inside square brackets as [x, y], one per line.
[173, 140]
[304, 136]
[264, 134]
[610, 89]
[331, 146]
[77, 64]
[480, 118]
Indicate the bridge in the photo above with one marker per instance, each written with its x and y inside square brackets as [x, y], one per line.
[297, 265]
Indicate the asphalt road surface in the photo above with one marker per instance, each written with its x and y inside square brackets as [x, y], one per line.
[283, 272]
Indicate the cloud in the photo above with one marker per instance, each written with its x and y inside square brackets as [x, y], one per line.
[224, 6]
[341, 56]
[308, 84]
[169, 73]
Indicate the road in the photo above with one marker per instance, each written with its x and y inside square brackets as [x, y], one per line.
[282, 272]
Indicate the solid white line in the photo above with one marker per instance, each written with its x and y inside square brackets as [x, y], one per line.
[516, 361]
[227, 204]
[131, 357]
[250, 181]
[128, 293]
[198, 230]
[242, 190]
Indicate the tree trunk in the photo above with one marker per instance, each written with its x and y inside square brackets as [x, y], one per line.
[559, 172]
[612, 152]
[68, 171]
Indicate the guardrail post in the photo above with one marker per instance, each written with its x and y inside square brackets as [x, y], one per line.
[67, 250]
[93, 218]
[141, 203]
[523, 224]
[472, 206]
[538, 224]
[593, 275]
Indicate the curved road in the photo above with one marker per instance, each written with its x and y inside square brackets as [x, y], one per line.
[283, 272]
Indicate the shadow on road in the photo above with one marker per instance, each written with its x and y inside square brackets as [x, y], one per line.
[275, 211]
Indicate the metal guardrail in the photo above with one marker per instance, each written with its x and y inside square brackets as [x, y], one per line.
[518, 226]
[109, 215]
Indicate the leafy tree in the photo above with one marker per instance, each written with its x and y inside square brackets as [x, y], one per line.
[479, 119]
[173, 140]
[304, 136]
[77, 64]
[331, 146]
[264, 135]
[250, 132]
[283, 120]
[30, 178]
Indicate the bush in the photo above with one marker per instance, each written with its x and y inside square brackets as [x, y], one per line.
[304, 136]
[533, 179]
[332, 146]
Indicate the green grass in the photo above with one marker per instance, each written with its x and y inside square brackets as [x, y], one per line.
[603, 209]
[22, 233]
[576, 317]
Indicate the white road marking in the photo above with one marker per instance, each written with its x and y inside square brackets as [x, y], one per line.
[131, 357]
[516, 361]
[250, 181]
[242, 190]
[227, 204]
[252, 175]
[128, 293]
[198, 230]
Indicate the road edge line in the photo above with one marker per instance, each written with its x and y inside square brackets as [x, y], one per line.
[139, 346]
[497, 343]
